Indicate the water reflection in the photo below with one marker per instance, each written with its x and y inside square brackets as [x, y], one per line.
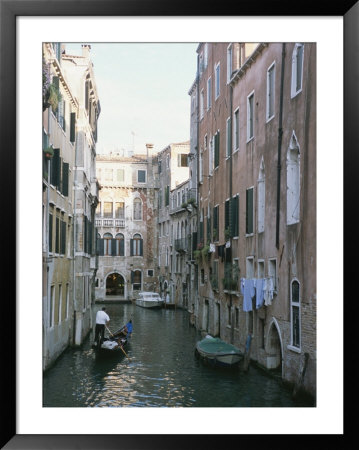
[160, 371]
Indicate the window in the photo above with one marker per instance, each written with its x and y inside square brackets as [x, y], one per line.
[108, 174]
[137, 209]
[107, 238]
[229, 62]
[297, 69]
[200, 176]
[201, 106]
[215, 223]
[107, 209]
[293, 182]
[120, 174]
[209, 93]
[295, 314]
[50, 232]
[216, 149]
[59, 310]
[236, 130]
[136, 280]
[261, 198]
[250, 116]
[270, 91]
[141, 176]
[217, 72]
[120, 244]
[249, 211]
[136, 245]
[120, 210]
[182, 160]
[229, 137]
[235, 216]
[150, 273]
[67, 301]
[272, 272]
[52, 306]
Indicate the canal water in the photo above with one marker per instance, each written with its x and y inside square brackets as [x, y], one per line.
[160, 370]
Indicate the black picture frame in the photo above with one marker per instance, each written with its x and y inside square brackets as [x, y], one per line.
[9, 11]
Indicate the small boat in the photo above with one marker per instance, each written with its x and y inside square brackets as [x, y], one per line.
[217, 353]
[114, 343]
[150, 300]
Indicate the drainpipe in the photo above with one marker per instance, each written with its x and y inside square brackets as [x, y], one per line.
[197, 181]
[280, 134]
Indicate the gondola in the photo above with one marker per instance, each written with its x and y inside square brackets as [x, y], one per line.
[114, 343]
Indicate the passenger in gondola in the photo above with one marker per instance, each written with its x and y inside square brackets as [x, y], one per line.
[127, 329]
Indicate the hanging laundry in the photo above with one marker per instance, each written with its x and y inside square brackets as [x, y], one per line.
[268, 291]
[259, 292]
[248, 294]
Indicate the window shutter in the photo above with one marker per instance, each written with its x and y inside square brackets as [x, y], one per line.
[132, 276]
[122, 247]
[72, 127]
[249, 212]
[63, 237]
[101, 247]
[216, 150]
[65, 179]
[131, 247]
[55, 169]
[113, 247]
[50, 232]
[141, 247]
[226, 215]
[90, 237]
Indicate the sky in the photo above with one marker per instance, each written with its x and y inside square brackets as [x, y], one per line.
[143, 91]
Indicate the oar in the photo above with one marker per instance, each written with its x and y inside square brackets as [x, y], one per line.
[118, 344]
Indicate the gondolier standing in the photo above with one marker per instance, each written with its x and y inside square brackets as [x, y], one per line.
[102, 319]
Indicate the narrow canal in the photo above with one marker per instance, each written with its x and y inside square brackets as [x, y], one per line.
[160, 371]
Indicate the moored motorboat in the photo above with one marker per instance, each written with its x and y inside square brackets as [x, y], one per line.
[150, 300]
[218, 353]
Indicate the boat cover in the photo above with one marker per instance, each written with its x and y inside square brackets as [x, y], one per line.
[213, 345]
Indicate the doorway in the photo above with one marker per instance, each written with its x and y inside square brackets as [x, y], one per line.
[115, 285]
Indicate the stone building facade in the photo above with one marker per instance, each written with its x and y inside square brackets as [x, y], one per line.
[257, 202]
[68, 180]
[173, 170]
[126, 221]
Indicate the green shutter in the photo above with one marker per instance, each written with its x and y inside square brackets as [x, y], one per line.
[113, 247]
[216, 150]
[141, 247]
[122, 247]
[72, 127]
[50, 232]
[65, 179]
[63, 237]
[226, 215]
[55, 163]
[131, 247]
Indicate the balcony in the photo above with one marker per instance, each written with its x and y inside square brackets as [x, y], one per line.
[181, 245]
[104, 222]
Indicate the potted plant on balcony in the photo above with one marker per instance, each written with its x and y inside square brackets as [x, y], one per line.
[48, 152]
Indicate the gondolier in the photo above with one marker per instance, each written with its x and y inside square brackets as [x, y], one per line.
[102, 319]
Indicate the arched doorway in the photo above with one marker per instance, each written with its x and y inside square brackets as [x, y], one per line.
[274, 348]
[115, 285]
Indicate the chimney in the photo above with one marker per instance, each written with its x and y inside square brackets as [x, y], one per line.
[86, 50]
[149, 148]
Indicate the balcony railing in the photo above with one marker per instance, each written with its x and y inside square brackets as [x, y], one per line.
[181, 245]
[110, 223]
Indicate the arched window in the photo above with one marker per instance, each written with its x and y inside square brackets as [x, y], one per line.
[136, 245]
[137, 209]
[136, 280]
[297, 69]
[107, 237]
[120, 244]
[295, 313]
[293, 181]
[261, 197]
